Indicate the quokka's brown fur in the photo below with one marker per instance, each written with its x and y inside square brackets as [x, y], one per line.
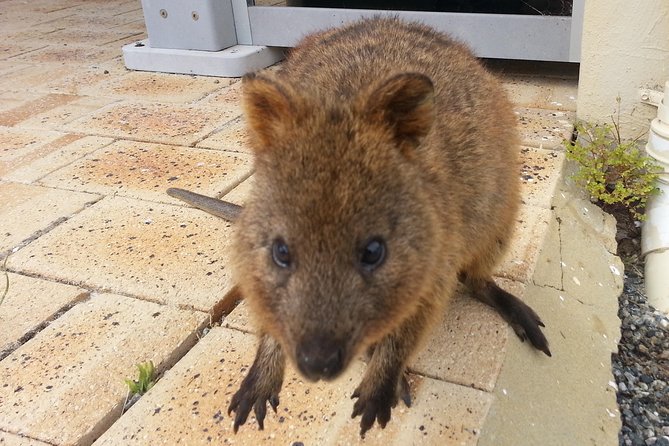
[386, 171]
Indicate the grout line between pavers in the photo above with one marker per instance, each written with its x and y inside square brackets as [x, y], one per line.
[81, 297]
[21, 435]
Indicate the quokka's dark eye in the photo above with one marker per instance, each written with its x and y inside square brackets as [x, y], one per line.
[373, 254]
[281, 253]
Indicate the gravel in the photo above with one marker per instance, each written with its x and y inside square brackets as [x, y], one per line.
[641, 366]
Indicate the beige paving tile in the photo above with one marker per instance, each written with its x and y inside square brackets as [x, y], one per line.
[58, 117]
[538, 92]
[240, 194]
[468, 346]
[442, 414]
[9, 49]
[158, 252]
[27, 210]
[34, 78]
[74, 79]
[239, 318]
[65, 385]
[38, 160]
[198, 389]
[226, 97]
[540, 173]
[62, 54]
[143, 170]
[233, 137]
[29, 304]
[7, 439]
[158, 87]
[166, 123]
[519, 262]
[19, 143]
[28, 109]
[87, 35]
[545, 129]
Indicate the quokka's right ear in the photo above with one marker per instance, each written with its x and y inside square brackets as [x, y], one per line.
[269, 109]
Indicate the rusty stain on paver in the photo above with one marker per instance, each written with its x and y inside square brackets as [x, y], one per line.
[158, 87]
[539, 175]
[199, 388]
[66, 386]
[13, 116]
[58, 117]
[49, 157]
[166, 123]
[143, 170]
[27, 210]
[29, 304]
[163, 253]
[17, 144]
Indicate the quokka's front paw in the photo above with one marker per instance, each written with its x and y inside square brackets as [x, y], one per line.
[375, 401]
[251, 395]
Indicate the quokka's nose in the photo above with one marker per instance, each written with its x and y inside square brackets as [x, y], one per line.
[320, 357]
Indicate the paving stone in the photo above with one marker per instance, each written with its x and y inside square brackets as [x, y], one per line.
[17, 144]
[519, 262]
[7, 439]
[545, 129]
[198, 389]
[34, 78]
[65, 385]
[29, 304]
[226, 97]
[45, 103]
[158, 252]
[38, 160]
[13, 49]
[548, 271]
[165, 123]
[240, 194]
[76, 79]
[145, 171]
[27, 210]
[537, 92]
[540, 173]
[234, 137]
[58, 117]
[61, 54]
[157, 87]
[468, 346]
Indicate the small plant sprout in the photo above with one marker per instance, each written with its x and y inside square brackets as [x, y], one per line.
[145, 381]
[613, 171]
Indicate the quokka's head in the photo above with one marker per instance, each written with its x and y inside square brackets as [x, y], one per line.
[336, 242]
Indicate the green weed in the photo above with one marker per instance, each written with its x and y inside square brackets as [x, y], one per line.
[613, 171]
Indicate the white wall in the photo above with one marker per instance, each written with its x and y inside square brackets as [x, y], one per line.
[625, 47]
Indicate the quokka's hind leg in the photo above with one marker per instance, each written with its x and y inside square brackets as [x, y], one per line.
[523, 319]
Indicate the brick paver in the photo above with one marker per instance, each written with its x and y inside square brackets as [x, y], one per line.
[162, 253]
[29, 304]
[66, 385]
